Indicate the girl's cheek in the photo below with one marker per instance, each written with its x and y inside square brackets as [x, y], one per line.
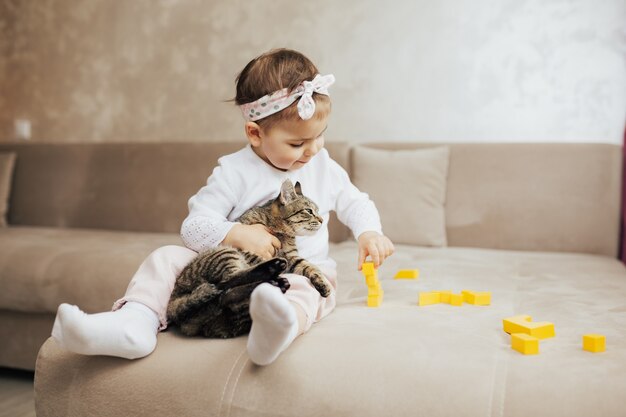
[294, 154]
[291, 156]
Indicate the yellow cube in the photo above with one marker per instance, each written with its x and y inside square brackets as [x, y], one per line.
[456, 299]
[374, 289]
[407, 274]
[367, 268]
[477, 298]
[524, 324]
[445, 296]
[371, 281]
[374, 300]
[523, 343]
[594, 342]
[515, 324]
[428, 298]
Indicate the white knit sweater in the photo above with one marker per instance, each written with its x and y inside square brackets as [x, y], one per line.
[243, 180]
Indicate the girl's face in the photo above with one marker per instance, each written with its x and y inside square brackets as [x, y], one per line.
[288, 146]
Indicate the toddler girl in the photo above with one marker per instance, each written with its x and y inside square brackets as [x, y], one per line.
[286, 106]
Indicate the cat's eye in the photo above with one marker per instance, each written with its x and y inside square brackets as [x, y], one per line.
[309, 211]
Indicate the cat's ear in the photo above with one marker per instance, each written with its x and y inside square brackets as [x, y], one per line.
[298, 188]
[287, 193]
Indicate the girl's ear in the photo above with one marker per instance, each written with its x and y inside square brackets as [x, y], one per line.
[253, 132]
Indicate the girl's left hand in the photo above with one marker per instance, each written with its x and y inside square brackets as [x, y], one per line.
[378, 247]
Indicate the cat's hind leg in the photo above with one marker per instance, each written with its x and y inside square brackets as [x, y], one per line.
[238, 296]
[237, 299]
[262, 272]
[280, 282]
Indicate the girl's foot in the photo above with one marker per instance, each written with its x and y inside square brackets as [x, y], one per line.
[274, 324]
[129, 332]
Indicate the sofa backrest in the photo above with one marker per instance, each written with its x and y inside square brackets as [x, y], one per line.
[119, 186]
[562, 197]
[549, 197]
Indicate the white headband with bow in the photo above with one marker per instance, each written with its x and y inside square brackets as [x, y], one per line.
[281, 99]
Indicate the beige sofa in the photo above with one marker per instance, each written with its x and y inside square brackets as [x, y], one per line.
[535, 224]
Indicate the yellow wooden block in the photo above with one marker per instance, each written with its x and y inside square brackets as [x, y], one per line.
[374, 289]
[367, 268]
[511, 325]
[524, 324]
[444, 296]
[407, 274]
[374, 300]
[523, 343]
[594, 342]
[371, 280]
[456, 299]
[468, 296]
[370, 274]
[428, 298]
[374, 285]
[477, 298]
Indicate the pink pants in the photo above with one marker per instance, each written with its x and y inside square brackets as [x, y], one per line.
[154, 281]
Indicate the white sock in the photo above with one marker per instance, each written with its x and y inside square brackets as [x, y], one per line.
[129, 332]
[274, 324]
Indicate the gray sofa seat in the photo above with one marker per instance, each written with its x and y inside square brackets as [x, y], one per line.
[398, 359]
[41, 267]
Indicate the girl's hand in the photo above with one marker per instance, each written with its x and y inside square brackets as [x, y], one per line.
[377, 246]
[254, 238]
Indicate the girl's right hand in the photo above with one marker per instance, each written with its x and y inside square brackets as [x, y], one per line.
[254, 238]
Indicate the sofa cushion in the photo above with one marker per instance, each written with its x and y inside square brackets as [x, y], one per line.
[7, 161]
[395, 360]
[409, 190]
[41, 268]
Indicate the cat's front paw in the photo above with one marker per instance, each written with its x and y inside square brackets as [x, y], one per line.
[321, 284]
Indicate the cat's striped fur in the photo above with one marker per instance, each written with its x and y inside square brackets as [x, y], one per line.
[212, 294]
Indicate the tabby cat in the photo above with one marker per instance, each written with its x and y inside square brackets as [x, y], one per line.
[211, 296]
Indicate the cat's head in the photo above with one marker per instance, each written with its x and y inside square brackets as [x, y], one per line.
[299, 213]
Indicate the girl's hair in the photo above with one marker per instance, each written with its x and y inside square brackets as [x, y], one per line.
[273, 71]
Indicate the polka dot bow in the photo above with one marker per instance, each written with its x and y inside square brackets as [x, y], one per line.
[281, 99]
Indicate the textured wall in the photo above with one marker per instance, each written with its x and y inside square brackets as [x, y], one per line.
[485, 70]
